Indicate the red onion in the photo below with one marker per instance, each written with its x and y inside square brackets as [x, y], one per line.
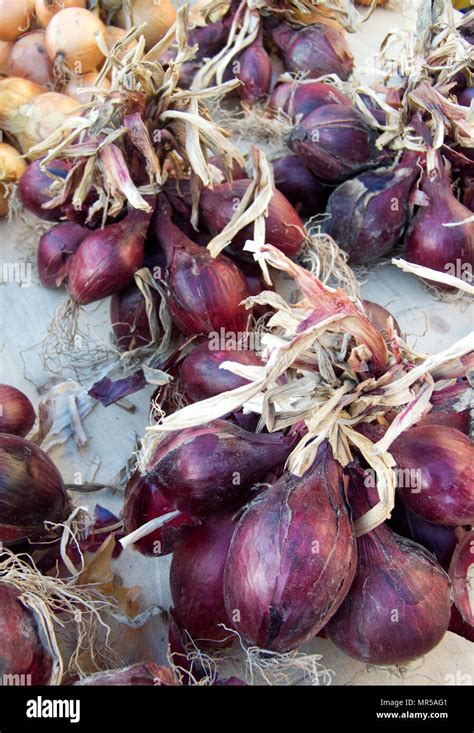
[430, 243]
[129, 317]
[437, 477]
[307, 194]
[197, 583]
[208, 469]
[144, 502]
[22, 654]
[237, 170]
[205, 294]
[445, 409]
[255, 72]
[466, 96]
[467, 190]
[368, 214]
[283, 226]
[292, 559]
[31, 490]
[54, 250]
[301, 99]
[202, 377]
[315, 50]
[17, 414]
[335, 142]
[34, 187]
[107, 259]
[438, 539]
[399, 605]
[143, 674]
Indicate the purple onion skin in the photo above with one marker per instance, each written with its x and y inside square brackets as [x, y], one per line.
[21, 650]
[31, 490]
[106, 260]
[467, 189]
[143, 502]
[307, 194]
[54, 250]
[143, 674]
[34, 188]
[316, 50]
[369, 213]
[292, 559]
[302, 99]
[436, 538]
[466, 96]
[17, 414]
[283, 225]
[210, 469]
[197, 584]
[237, 170]
[202, 377]
[335, 143]
[378, 316]
[431, 244]
[399, 605]
[438, 462]
[129, 318]
[254, 73]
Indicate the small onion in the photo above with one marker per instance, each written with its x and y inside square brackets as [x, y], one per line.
[29, 60]
[254, 72]
[15, 18]
[45, 9]
[31, 490]
[71, 36]
[35, 184]
[12, 166]
[302, 98]
[315, 50]
[54, 250]
[17, 414]
[308, 195]
[159, 17]
[79, 87]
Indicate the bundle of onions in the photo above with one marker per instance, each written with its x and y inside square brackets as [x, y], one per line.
[15, 18]
[71, 38]
[17, 414]
[398, 607]
[46, 9]
[12, 165]
[31, 490]
[28, 59]
[159, 17]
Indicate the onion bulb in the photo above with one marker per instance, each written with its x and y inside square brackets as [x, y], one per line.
[80, 86]
[15, 92]
[158, 16]
[71, 36]
[12, 166]
[45, 9]
[38, 118]
[17, 414]
[15, 18]
[28, 59]
[5, 48]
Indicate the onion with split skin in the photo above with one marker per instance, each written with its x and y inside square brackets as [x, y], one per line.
[12, 166]
[15, 18]
[71, 37]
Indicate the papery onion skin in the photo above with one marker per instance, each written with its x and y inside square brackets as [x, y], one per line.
[21, 649]
[107, 259]
[12, 166]
[71, 36]
[17, 414]
[28, 59]
[197, 584]
[437, 470]
[55, 247]
[292, 559]
[129, 318]
[255, 72]
[335, 142]
[210, 469]
[302, 189]
[315, 50]
[31, 490]
[34, 187]
[143, 502]
[202, 377]
[143, 674]
[15, 18]
[378, 316]
[283, 225]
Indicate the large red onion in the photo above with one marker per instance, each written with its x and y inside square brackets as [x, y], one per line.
[144, 502]
[22, 654]
[335, 142]
[54, 250]
[34, 187]
[129, 318]
[17, 414]
[283, 226]
[292, 559]
[201, 374]
[31, 490]
[302, 189]
[300, 99]
[436, 473]
[431, 244]
[205, 294]
[368, 213]
[197, 583]
[107, 259]
[255, 72]
[315, 50]
[398, 606]
[211, 468]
